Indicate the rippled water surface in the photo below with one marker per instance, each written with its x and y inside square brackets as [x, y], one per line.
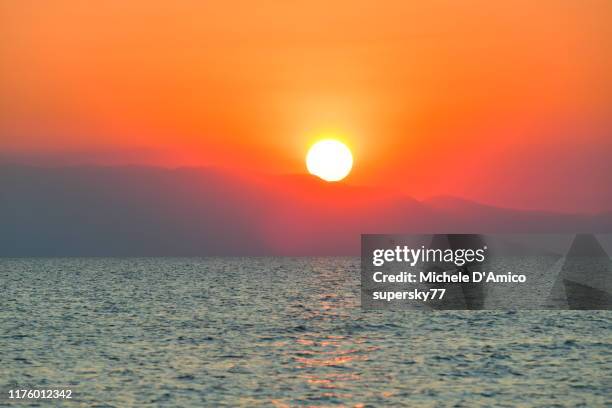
[278, 332]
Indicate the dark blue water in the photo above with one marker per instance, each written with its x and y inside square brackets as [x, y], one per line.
[277, 332]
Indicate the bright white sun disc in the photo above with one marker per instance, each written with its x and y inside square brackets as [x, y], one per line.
[330, 160]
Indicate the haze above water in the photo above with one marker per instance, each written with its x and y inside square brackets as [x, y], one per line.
[278, 332]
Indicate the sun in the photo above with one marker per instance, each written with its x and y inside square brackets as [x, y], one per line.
[329, 159]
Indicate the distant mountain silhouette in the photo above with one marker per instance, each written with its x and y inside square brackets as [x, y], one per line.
[150, 211]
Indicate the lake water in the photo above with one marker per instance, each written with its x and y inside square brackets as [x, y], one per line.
[277, 332]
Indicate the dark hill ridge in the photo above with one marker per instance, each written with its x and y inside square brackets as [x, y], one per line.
[150, 211]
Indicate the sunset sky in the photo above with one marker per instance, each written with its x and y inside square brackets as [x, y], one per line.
[502, 102]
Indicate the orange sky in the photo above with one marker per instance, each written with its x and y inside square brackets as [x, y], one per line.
[481, 89]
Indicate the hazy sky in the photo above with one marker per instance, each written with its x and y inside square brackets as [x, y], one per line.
[506, 102]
